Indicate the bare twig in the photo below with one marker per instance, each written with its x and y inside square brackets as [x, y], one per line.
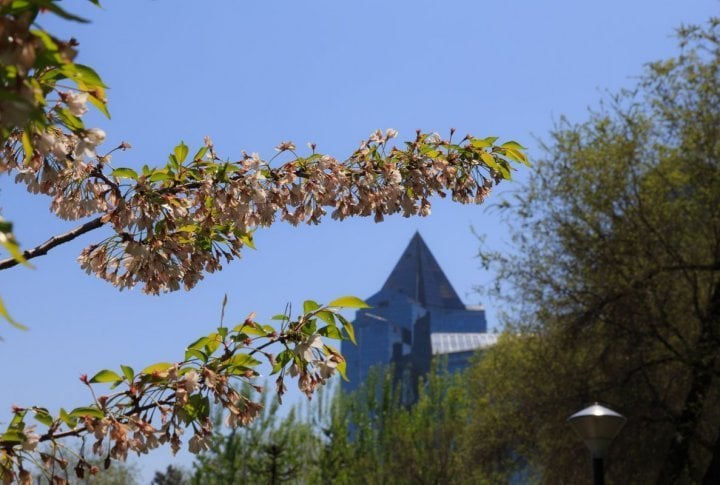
[54, 241]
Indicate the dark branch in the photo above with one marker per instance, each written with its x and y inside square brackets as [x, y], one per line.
[54, 241]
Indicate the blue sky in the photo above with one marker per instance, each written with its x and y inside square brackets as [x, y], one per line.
[252, 74]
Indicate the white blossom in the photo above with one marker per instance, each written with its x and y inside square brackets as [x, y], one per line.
[76, 102]
[304, 348]
[434, 138]
[90, 140]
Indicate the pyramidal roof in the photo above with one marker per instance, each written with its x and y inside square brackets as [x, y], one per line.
[418, 275]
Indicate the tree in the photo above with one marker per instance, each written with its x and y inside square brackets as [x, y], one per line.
[617, 283]
[171, 476]
[173, 223]
[366, 436]
[271, 449]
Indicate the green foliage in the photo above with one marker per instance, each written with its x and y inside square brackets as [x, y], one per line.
[616, 281]
[365, 437]
[35, 61]
[272, 449]
[171, 476]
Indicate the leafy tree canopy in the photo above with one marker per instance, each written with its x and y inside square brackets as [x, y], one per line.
[617, 283]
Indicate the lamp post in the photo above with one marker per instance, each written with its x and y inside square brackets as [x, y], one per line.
[597, 426]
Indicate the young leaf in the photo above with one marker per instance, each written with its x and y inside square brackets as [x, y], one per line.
[128, 372]
[348, 302]
[513, 145]
[282, 359]
[342, 368]
[4, 313]
[198, 407]
[67, 419]
[42, 415]
[13, 436]
[309, 306]
[489, 161]
[200, 153]
[331, 331]
[159, 367]
[181, 152]
[196, 354]
[7, 240]
[124, 173]
[243, 360]
[348, 328]
[105, 376]
[326, 316]
[87, 411]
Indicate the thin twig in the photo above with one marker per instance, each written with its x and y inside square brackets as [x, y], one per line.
[54, 241]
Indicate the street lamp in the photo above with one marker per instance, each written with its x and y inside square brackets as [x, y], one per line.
[597, 426]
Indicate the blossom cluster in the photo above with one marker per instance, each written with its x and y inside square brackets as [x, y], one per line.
[174, 223]
[158, 405]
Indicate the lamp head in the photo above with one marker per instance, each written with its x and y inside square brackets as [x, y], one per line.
[597, 426]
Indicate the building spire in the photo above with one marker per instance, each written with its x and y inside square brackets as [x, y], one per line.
[418, 275]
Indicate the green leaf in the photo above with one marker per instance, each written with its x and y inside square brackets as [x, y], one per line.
[105, 376]
[7, 240]
[42, 415]
[200, 153]
[310, 306]
[87, 411]
[84, 76]
[480, 143]
[71, 421]
[99, 104]
[199, 343]
[348, 302]
[516, 155]
[490, 161]
[212, 343]
[161, 175]
[251, 328]
[60, 12]
[247, 240]
[4, 313]
[331, 331]
[17, 420]
[281, 359]
[46, 39]
[159, 367]
[348, 328]
[181, 152]
[128, 372]
[513, 145]
[124, 173]
[490, 140]
[326, 316]
[197, 354]
[342, 369]
[243, 360]
[309, 326]
[70, 120]
[27, 145]
[13, 436]
[197, 408]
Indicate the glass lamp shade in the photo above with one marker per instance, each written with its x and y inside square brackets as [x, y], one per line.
[597, 426]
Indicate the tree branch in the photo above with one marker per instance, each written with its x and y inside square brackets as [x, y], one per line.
[54, 241]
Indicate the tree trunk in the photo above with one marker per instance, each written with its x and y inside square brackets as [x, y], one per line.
[712, 474]
[678, 457]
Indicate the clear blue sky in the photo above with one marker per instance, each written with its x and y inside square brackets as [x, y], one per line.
[252, 74]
